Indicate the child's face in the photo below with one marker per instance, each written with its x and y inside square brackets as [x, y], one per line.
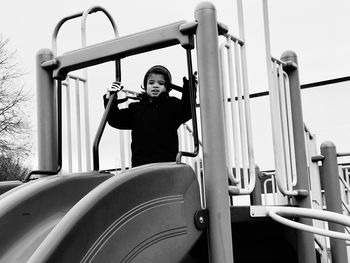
[155, 85]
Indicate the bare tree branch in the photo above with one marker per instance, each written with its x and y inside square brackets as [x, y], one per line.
[14, 124]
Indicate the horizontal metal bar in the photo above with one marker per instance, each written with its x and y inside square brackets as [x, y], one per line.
[145, 41]
[343, 154]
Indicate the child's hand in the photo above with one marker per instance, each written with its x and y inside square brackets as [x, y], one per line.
[194, 81]
[115, 88]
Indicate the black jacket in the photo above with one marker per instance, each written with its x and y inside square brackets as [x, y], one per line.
[153, 125]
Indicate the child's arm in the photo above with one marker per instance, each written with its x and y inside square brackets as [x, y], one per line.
[117, 118]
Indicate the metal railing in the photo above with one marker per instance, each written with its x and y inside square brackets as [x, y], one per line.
[238, 128]
[82, 128]
[282, 129]
[344, 177]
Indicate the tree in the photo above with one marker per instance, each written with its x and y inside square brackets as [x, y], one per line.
[11, 168]
[15, 144]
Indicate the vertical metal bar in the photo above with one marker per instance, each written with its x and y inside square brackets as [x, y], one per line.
[234, 123]
[329, 173]
[87, 122]
[347, 180]
[46, 114]
[249, 129]
[284, 124]
[255, 197]
[315, 182]
[220, 238]
[241, 116]
[228, 136]
[69, 125]
[290, 127]
[274, 108]
[305, 240]
[78, 122]
[122, 148]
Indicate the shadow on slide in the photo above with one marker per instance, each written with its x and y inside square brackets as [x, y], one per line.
[143, 215]
[30, 211]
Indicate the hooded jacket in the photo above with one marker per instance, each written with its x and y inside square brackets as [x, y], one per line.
[153, 124]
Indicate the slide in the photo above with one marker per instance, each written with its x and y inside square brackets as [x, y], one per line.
[8, 185]
[145, 214]
[30, 211]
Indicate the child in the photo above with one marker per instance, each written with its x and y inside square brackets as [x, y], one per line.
[153, 120]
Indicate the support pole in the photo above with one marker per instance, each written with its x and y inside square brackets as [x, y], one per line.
[215, 171]
[329, 175]
[305, 241]
[46, 114]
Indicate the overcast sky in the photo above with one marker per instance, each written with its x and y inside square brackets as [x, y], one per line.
[317, 30]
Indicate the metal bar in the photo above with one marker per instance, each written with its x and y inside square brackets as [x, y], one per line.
[290, 129]
[274, 110]
[78, 122]
[46, 114]
[249, 130]
[100, 129]
[234, 121]
[57, 28]
[87, 123]
[192, 91]
[85, 74]
[69, 126]
[305, 240]
[284, 124]
[333, 199]
[241, 117]
[121, 47]
[219, 232]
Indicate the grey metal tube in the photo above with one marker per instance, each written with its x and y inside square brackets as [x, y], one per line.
[329, 175]
[305, 240]
[215, 172]
[255, 196]
[46, 114]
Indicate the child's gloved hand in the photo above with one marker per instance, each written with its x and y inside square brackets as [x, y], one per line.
[186, 83]
[115, 88]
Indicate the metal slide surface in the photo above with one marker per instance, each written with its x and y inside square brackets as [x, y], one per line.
[30, 211]
[145, 214]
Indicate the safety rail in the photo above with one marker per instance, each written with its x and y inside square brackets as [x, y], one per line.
[270, 197]
[277, 213]
[84, 98]
[345, 187]
[238, 128]
[282, 128]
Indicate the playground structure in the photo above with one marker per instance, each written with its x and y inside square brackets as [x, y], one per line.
[177, 212]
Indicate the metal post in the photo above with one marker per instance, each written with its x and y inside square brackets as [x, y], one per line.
[305, 243]
[46, 114]
[329, 175]
[255, 196]
[212, 119]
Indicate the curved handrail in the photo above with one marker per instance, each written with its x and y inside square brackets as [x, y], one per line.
[95, 9]
[83, 24]
[277, 213]
[88, 11]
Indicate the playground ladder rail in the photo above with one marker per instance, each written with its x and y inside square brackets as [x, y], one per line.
[77, 80]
